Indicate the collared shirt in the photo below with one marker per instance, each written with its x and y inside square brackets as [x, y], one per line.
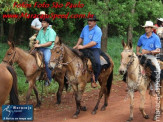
[48, 36]
[151, 43]
[94, 34]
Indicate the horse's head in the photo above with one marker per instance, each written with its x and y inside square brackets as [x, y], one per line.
[159, 32]
[127, 57]
[10, 54]
[57, 54]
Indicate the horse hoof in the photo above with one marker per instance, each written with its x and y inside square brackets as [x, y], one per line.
[146, 117]
[75, 116]
[83, 108]
[103, 109]
[93, 112]
[58, 103]
[130, 119]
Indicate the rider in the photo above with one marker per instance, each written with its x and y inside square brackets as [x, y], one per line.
[149, 42]
[91, 38]
[159, 24]
[45, 42]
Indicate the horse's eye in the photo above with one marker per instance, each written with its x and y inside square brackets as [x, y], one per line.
[9, 53]
[57, 51]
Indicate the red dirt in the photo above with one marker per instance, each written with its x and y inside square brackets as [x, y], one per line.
[117, 110]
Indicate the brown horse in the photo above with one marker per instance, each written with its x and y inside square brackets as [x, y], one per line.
[137, 79]
[78, 76]
[8, 85]
[27, 63]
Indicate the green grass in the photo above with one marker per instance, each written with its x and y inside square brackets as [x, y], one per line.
[114, 50]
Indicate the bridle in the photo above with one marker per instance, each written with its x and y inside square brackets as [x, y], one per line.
[11, 60]
[59, 61]
[131, 59]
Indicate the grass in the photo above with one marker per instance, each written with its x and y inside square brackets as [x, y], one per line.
[114, 50]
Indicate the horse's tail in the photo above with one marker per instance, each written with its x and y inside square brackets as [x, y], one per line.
[109, 83]
[65, 83]
[14, 100]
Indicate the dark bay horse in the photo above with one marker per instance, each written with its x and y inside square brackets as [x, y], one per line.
[78, 76]
[8, 85]
[138, 77]
[27, 63]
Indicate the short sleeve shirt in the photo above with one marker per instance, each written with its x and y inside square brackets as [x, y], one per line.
[151, 43]
[48, 36]
[94, 34]
[36, 23]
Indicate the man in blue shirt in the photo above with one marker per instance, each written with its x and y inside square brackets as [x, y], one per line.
[45, 42]
[149, 41]
[150, 44]
[91, 38]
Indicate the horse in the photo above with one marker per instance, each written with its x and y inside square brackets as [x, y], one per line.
[28, 64]
[78, 75]
[8, 81]
[138, 78]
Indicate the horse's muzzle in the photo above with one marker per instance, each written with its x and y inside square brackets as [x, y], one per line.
[122, 72]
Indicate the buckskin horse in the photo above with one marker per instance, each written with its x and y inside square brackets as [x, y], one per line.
[138, 76]
[78, 75]
[28, 64]
[8, 85]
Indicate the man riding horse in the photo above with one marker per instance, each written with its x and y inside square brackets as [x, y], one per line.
[91, 38]
[45, 42]
[149, 42]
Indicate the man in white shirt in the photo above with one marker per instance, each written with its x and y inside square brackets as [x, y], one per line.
[36, 24]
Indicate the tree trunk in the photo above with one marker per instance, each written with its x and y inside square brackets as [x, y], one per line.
[11, 32]
[130, 28]
[2, 29]
[104, 38]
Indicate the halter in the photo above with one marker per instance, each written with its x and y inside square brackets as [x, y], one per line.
[131, 59]
[60, 59]
[11, 59]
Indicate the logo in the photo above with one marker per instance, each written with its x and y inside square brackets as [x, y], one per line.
[151, 45]
[17, 112]
[90, 36]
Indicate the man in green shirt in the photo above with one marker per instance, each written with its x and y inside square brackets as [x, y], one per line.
[45, 42]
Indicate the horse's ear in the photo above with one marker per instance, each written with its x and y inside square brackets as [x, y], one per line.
[130, 44]
[58, 41]
[11, 44]
[123, 43]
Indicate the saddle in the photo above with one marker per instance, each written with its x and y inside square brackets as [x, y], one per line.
[39, 58]
[84, 55]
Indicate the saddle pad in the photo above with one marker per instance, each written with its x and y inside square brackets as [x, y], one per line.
[103, 61]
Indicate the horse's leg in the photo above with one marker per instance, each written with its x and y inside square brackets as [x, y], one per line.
[161, 95]
[60, 89]
[131, 94]
[31, 84]
[97, 104]
[106, 95]
[36, 93]
[142, 101]
[78, 96]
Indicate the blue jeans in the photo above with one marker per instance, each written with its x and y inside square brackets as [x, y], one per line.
[47, 55]
[94, 55]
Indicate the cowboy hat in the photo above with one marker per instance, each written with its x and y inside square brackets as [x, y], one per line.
[42, 12]
[160, 19]
[93, 18]
[47, 20]
[148, 24]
